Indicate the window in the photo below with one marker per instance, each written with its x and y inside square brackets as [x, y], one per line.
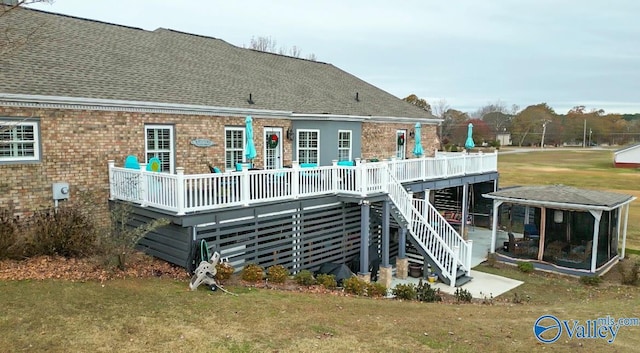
[19, 141]
[344, 145]
[308, 146]
[234, 147]
[159, 143]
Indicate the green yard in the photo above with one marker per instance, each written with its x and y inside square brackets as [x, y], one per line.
[162, 315]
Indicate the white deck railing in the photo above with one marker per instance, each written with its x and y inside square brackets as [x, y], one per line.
[181, 193]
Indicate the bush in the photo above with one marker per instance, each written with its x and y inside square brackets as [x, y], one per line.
[252, 273]
[327, 281]
[376, 289]
[304, 278]
[67, 232]
[277, 274]
[591, 280]
[425, 293]
[355, 285]
[525, 267]
[8, 233]
[629, 271]
[405, 291]
[463, 295]
[224, 271]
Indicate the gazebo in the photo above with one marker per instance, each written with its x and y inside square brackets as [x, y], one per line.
[566, 229]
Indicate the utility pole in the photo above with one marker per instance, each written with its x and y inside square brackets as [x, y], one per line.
[584, 134]
[544, 130]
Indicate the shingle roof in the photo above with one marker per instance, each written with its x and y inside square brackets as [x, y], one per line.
[561, 194]
[73, 57]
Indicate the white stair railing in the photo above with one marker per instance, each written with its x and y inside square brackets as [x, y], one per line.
[436, 237]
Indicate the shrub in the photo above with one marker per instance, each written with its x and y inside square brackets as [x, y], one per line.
[629, 271]
[355, 285]
[425, 293]
[405, 291]
[277, 274]
[463, 295]
[524, 266]
[123, 238]
[376, 289]
[8, 233]
[224, 271]
[591, 280]
[327, 281]
[252, 273]
[304, 278]
[67, 232]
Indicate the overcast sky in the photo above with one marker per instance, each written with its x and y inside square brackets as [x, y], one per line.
[468, 52]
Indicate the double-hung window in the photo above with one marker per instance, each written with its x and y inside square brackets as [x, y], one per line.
[234, 147]
[159, 143]
[344, 145]
[308, 146]
[19, 141]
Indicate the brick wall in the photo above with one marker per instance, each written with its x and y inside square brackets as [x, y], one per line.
[379, 139]
[76, 145]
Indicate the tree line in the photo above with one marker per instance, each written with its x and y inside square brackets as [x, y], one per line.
[534, 125]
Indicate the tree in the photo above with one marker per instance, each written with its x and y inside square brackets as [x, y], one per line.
[13, 38]
[268, 44]
[450, 127]
[527, 126]
[418, 102]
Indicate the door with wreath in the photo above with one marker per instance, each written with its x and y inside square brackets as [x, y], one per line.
[273, 148]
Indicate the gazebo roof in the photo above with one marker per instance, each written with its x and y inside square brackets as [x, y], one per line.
[561, 196]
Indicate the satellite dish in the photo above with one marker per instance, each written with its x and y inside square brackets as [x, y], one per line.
[154, 165]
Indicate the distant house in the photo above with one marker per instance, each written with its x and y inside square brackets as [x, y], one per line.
[504, 138]
[628, 157]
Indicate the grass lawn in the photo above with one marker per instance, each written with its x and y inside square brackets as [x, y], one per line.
[582, 168]
[162, 315]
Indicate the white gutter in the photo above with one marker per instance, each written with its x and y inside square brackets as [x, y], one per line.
[60, 102]
[558, 205]
[56, 102]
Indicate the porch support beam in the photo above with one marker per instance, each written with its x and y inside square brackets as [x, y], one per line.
[543, 228]
[365, 209]
[597, 214]
[465, 210]
[402, 243]
[386, 213]
[494, 226]
[624, 231]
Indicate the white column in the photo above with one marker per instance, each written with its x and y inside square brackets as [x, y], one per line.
[180, 190]
[596, 229]
[111, 164]
[624, 231]
[494, 226]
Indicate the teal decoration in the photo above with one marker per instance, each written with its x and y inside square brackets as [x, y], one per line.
[154, 165]
[469, 144]
[250, 147]
[418, 151]
[131, 162]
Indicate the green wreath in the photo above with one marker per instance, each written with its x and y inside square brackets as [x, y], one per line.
[272, 142]
[400, 140]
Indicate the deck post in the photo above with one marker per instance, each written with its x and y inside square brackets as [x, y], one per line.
[423, 167]
[143, 185]
[362, 173]
[481, 156]
[494, 226]
[295, 179]
[180, 191]
[245, 189]
[365, 208]
[385, 232]
[111, 163]
[454, 266]
[624, 230]
[468, 259]
[334, 175]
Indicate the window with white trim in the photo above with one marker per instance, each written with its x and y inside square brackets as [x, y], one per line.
[344, 145]
[159, 143]
[308, 146]
[19, 141]
[234, 147]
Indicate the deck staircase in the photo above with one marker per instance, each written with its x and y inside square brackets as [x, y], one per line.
[438, 242]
